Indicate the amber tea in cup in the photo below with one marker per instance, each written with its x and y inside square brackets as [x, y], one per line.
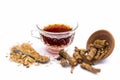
[56, 36]
[56, 28]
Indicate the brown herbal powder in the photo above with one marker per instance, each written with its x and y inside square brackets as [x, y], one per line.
[25, 54]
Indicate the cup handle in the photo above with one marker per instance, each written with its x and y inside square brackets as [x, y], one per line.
[34, 33]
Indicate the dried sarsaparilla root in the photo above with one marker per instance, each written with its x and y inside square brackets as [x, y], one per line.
[89, 67]
[86, 57]
[65, 59]
[25, 54]
[98, 49]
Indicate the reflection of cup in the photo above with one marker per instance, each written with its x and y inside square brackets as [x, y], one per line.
[56, 36]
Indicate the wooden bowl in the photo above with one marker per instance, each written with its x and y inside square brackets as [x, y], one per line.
[102, 34]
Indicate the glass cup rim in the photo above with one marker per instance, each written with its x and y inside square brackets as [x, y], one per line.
[42, 31]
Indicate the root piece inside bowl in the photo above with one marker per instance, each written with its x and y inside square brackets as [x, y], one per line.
[102, 35]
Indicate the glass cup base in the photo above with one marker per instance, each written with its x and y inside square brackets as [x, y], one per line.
[54, 50]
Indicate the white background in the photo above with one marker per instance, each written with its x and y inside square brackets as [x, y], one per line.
[19, 17]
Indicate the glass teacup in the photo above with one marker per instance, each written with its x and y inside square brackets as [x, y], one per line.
[56, 36]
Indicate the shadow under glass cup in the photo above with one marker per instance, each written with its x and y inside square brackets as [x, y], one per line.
[56, 36]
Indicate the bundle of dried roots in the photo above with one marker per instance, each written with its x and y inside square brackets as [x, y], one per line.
[86, 57]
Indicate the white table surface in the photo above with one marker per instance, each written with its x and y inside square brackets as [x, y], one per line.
[19, 17]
